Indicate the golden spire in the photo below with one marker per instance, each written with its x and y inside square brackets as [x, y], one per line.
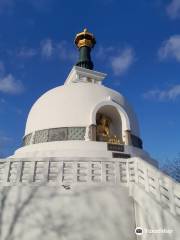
[85, 38]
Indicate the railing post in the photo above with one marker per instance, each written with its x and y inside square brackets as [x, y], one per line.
[136, 170]
[33, 170]
[46, 171]
[127, 172]
[103, 172]
[171, 197]
[117, 172]
[75, 172]
[19, 171]
[146, 179]
[60, 172]
[7, 171]
[89, 172]
[156, 180]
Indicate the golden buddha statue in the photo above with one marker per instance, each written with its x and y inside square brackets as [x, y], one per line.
[103, 130]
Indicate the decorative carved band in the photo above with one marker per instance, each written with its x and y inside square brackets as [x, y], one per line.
[71, 133]
[27, 139]
[55, 134]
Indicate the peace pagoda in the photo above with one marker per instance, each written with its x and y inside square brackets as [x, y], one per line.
[81, 172]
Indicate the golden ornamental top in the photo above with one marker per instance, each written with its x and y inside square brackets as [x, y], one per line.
[85, 38]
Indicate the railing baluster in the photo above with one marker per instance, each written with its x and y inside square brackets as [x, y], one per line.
[147, 172]
[171, 196]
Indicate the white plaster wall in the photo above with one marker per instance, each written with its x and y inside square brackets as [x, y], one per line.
[152, 215]
[138, 194]
[89, 212]
[74, 148]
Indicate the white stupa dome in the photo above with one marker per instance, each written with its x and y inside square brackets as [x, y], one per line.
[72, 105]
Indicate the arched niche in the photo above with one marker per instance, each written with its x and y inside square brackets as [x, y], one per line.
[123, 115]
[112, 114]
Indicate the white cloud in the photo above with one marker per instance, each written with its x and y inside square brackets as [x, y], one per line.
[164, 95]
[62, 50]
[170, 48]
[119, 59]
[47, 48]
[173, 9]
[66, 52]
[102, 53]
[8, 84]
[27, 52]
[4, 140]
[121, 63]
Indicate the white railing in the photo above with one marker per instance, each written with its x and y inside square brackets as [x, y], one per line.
[162, 187]
[57, 171]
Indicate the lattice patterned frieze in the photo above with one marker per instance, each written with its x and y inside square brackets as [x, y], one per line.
[76, 133]
[58, 134]
[27, 139]
[55, 134]
[41, 136]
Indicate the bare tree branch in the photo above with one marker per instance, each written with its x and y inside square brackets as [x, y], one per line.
[4, 195]
[18, 212]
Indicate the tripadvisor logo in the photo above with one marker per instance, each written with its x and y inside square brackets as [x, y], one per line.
[138, 231]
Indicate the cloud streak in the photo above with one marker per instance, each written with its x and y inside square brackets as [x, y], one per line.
[8, 84]
[47, 48]
[66, 52]
[170, 49]
[122, 62]
[173, 9]
[62, 50]
[27, 52]
[4, 141]
[103, 53]
[169, 94]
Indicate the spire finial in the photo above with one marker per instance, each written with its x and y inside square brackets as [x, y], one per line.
[85, 41]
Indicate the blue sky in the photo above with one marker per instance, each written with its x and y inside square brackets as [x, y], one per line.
[138, 46]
